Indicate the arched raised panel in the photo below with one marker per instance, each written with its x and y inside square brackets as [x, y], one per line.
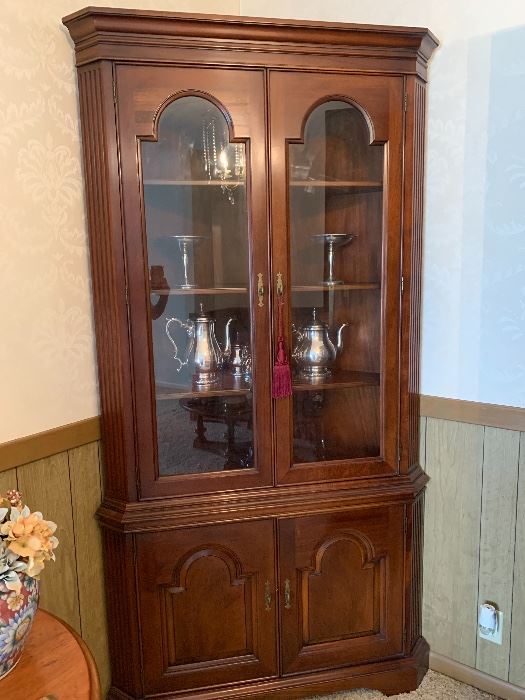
[345, 587]
[368, 95]
[147, 90]
[203, 604]
[208, 585]
[346, 571]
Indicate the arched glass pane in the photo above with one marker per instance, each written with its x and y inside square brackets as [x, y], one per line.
[197, 234]
[336, 212]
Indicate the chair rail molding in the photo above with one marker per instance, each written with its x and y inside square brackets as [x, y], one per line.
[488, 414]
[50, 442]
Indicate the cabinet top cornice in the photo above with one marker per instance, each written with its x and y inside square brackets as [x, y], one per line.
[102, 25]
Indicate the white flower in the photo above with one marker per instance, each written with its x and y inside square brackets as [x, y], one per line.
[10, 568]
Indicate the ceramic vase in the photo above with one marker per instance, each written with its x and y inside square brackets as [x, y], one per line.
[17, 612]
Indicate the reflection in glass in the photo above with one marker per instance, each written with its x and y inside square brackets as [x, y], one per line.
[196, 214]
[336, 212]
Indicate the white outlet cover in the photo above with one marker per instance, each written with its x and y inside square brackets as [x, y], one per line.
[496, 637]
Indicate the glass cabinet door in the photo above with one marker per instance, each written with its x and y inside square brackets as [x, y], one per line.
[201, 235]
[196, 215]
[342, 253]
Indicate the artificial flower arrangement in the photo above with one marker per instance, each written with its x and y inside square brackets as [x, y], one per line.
[27, 542]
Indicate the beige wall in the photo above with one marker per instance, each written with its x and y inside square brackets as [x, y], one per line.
[47, 354]
[473, 298]
[473, 285]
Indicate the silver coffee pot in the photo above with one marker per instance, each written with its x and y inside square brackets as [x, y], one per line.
[202, 347]
[314, 352]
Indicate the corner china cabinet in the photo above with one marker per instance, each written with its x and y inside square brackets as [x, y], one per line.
[254, 194]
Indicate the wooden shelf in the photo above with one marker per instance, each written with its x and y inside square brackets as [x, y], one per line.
[334, 287]
[344, 185]
[192, 183]
[338, 380]
[226, 386]
[199, 290]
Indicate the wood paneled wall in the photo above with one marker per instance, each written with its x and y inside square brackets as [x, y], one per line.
[474, 543]
[67, 489]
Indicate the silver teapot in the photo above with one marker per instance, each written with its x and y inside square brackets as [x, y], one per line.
[314, 352]
[202, 347]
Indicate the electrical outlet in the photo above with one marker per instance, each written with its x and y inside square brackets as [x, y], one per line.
[496, 636]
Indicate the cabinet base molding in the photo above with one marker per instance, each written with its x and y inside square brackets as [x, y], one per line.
[478, 679]
[389, 677]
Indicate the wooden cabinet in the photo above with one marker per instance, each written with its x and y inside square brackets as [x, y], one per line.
[207, 604]
[342, 580]
[254, 197]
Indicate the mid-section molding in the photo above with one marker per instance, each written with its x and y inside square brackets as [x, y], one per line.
[488, 414]
[50, 442]
[278, 501]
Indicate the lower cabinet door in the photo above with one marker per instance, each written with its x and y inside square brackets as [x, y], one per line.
[207, 605]
[341, 588]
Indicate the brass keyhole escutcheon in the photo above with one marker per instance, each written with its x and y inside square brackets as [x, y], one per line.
[267, 596]
[260, 289]
[279, 285]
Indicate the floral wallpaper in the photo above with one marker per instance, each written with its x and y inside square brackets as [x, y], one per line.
[474, 253]
[47, 352]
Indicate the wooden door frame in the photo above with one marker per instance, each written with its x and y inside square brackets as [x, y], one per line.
[380, 99]
[157, 87]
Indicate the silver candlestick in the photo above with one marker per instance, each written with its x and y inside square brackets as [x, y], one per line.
[187, 246]
[333, 241]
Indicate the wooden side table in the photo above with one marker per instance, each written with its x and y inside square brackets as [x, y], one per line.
[55, 664]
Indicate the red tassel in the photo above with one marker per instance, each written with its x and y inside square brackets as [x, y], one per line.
[282, 376]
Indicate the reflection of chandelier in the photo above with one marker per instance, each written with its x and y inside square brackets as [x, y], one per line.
[222, 160]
